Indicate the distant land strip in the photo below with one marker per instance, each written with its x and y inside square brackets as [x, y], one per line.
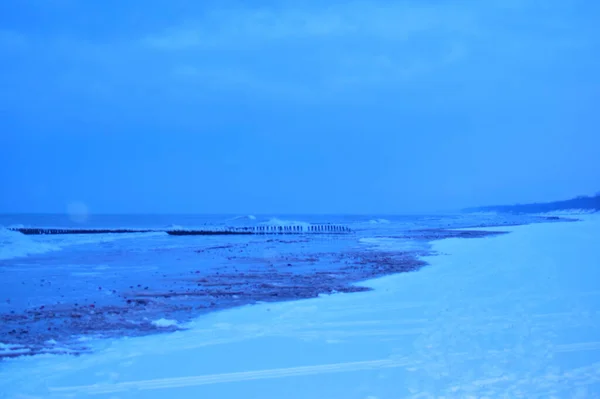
[584, 203]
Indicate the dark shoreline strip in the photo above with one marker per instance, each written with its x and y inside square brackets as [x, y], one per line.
[296, 229]
[187, 295]
[43, 231]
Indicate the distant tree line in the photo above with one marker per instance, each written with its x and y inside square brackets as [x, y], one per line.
[580, 202]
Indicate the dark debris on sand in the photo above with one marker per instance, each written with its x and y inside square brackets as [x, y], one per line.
[181, 297]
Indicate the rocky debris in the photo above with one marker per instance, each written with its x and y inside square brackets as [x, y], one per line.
[246, 277]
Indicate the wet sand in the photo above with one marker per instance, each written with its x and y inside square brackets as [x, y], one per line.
[243, 279]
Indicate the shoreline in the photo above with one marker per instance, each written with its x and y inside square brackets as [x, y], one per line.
[489, 318]
[59, 329]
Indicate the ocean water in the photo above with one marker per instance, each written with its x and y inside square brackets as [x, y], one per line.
[68, 273]
[121, 249]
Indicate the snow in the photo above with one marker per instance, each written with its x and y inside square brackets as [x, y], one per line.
[164, 323]
[16, 245]
[379, 221]
[513, 316]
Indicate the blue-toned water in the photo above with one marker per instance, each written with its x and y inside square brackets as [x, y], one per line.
[16, 246]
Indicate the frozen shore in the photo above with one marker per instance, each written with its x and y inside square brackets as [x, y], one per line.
[52, 302]
[516, 315]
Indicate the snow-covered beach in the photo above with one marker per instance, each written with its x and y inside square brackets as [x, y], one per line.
[515, 315]
[57, 288]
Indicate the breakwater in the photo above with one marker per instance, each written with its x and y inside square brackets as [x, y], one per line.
[261, 229]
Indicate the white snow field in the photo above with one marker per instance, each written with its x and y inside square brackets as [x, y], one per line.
[513, 316]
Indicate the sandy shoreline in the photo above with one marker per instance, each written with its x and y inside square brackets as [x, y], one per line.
[295, 274]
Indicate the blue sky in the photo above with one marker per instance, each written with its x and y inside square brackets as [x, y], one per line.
[289, 107]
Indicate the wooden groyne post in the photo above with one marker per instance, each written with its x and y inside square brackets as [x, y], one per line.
[262, 229]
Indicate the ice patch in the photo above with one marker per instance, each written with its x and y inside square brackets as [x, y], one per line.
[15, 245]
[280, 222]
[245, 217]
[163, 323]
[379, 221]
